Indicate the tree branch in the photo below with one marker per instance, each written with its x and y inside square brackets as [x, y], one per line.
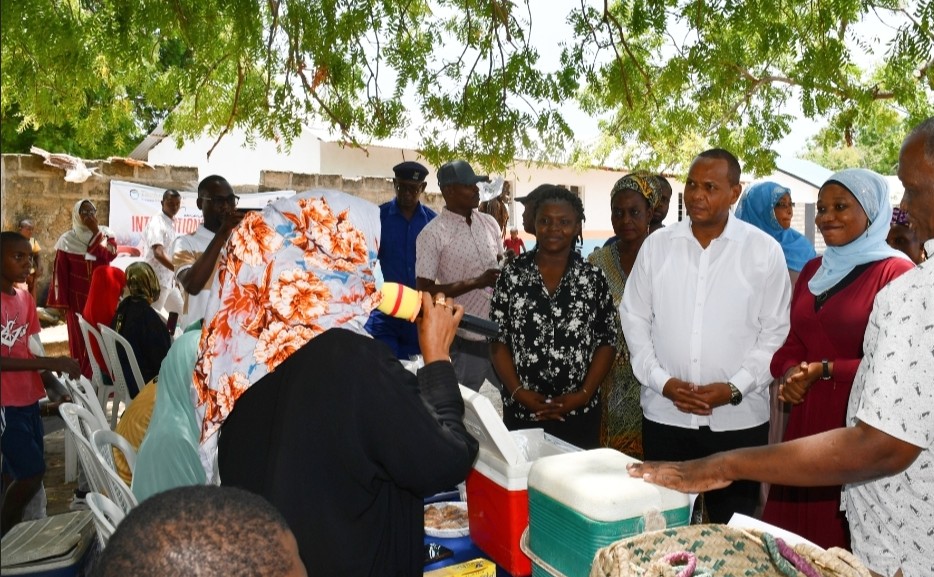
[625, 43]
[233, 109]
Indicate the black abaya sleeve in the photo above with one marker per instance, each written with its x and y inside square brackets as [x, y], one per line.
[418, 432]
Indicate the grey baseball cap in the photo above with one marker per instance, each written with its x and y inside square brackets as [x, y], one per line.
[458, 172]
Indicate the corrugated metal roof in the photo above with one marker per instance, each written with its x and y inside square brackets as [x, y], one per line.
[804, 170]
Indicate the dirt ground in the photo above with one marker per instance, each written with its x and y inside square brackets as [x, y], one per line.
[58, 492]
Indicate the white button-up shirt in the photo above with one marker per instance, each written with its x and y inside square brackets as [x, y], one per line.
[707, 316]
[160, 230]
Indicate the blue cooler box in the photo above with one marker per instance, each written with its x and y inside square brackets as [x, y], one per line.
[581, 502]
[57, 546]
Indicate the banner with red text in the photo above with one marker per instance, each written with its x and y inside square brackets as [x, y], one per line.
[133, 204]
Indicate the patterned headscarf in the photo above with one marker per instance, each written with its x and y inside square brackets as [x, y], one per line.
[757, 207]
[298, 268]
[642, 182]
[872, 194]
[899, 216]
[141, 281]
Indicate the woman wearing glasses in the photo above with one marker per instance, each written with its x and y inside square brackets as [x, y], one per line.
[78, 252]
[768, 207]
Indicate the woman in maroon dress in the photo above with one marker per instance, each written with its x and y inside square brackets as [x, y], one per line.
[829, 312]
[78, 252]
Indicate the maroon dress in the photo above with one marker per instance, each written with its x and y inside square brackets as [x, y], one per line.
[835, 333]
[71, 282]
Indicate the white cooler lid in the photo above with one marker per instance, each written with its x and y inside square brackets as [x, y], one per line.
[485, 424]
[596, 484]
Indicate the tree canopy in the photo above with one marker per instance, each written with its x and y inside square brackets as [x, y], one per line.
[664, 76]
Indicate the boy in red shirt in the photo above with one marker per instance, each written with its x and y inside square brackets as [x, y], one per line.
[514, 244]
[21, 385]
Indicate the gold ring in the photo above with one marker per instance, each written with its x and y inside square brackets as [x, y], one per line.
[439, 300]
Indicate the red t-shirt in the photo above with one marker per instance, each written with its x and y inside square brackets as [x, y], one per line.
[18, 321]
[516, 246]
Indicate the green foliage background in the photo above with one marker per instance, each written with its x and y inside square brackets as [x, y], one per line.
[92, 77]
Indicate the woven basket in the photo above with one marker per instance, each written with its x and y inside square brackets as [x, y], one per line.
[721, 551]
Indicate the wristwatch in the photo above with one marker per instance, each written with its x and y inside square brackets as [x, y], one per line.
[825, 370]
[736, 397]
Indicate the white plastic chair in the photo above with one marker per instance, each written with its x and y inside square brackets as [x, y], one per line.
[71, 453]
[81, 425]
[82, 391]
[113, 340]
[104, 442]
[107, 515]
[91, 334]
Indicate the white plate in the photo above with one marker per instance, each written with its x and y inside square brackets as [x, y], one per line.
[449, 533]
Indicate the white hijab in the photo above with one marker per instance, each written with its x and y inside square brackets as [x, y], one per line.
[78, 239]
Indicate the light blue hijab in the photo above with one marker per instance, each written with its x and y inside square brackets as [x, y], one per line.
[872, 193]
[757, 207]
[168, 456]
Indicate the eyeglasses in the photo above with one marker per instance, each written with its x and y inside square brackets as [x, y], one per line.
[631, 213]
[88, 211]
[410, 188]
[785, 205]
[232, 199]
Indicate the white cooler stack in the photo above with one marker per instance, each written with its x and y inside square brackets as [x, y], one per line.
[581, 502]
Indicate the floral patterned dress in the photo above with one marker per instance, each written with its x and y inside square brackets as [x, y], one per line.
[553, 337]
[621, 427]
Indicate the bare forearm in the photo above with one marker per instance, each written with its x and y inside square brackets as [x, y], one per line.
[159, 252]
[454, 289]
[33, 364]
[197, 276]
[501, 358]
[845, 455]
[599, 367]
[57, 364]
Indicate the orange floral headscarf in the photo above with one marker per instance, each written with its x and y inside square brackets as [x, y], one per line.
[298, 268]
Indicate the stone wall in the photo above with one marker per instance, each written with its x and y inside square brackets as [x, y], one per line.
[30, 188]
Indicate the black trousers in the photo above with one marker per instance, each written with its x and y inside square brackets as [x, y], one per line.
[668, 443]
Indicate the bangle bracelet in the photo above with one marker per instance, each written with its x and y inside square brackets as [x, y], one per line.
[512, 397]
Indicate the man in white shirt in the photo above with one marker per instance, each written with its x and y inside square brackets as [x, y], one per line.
[885, 454]
[704, 309]
[196, 255]
[458, 254]
[158, 237]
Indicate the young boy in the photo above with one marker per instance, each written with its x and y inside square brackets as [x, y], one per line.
[21, 385]
[513, 244]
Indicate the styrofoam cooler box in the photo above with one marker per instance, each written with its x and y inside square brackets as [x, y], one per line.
[56, 546]
[497, 487]
[581, 502]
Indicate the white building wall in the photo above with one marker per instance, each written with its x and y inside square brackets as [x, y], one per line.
[314, 153]
[240, 163]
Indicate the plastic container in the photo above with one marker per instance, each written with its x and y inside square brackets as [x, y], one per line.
[581, 502]
[475, 568]
[57, 546]
[497, 487]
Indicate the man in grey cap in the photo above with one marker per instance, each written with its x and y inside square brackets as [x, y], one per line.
[402, 220]
[458, 254]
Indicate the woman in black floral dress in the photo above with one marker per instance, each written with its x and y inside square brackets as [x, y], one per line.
[557, 329]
